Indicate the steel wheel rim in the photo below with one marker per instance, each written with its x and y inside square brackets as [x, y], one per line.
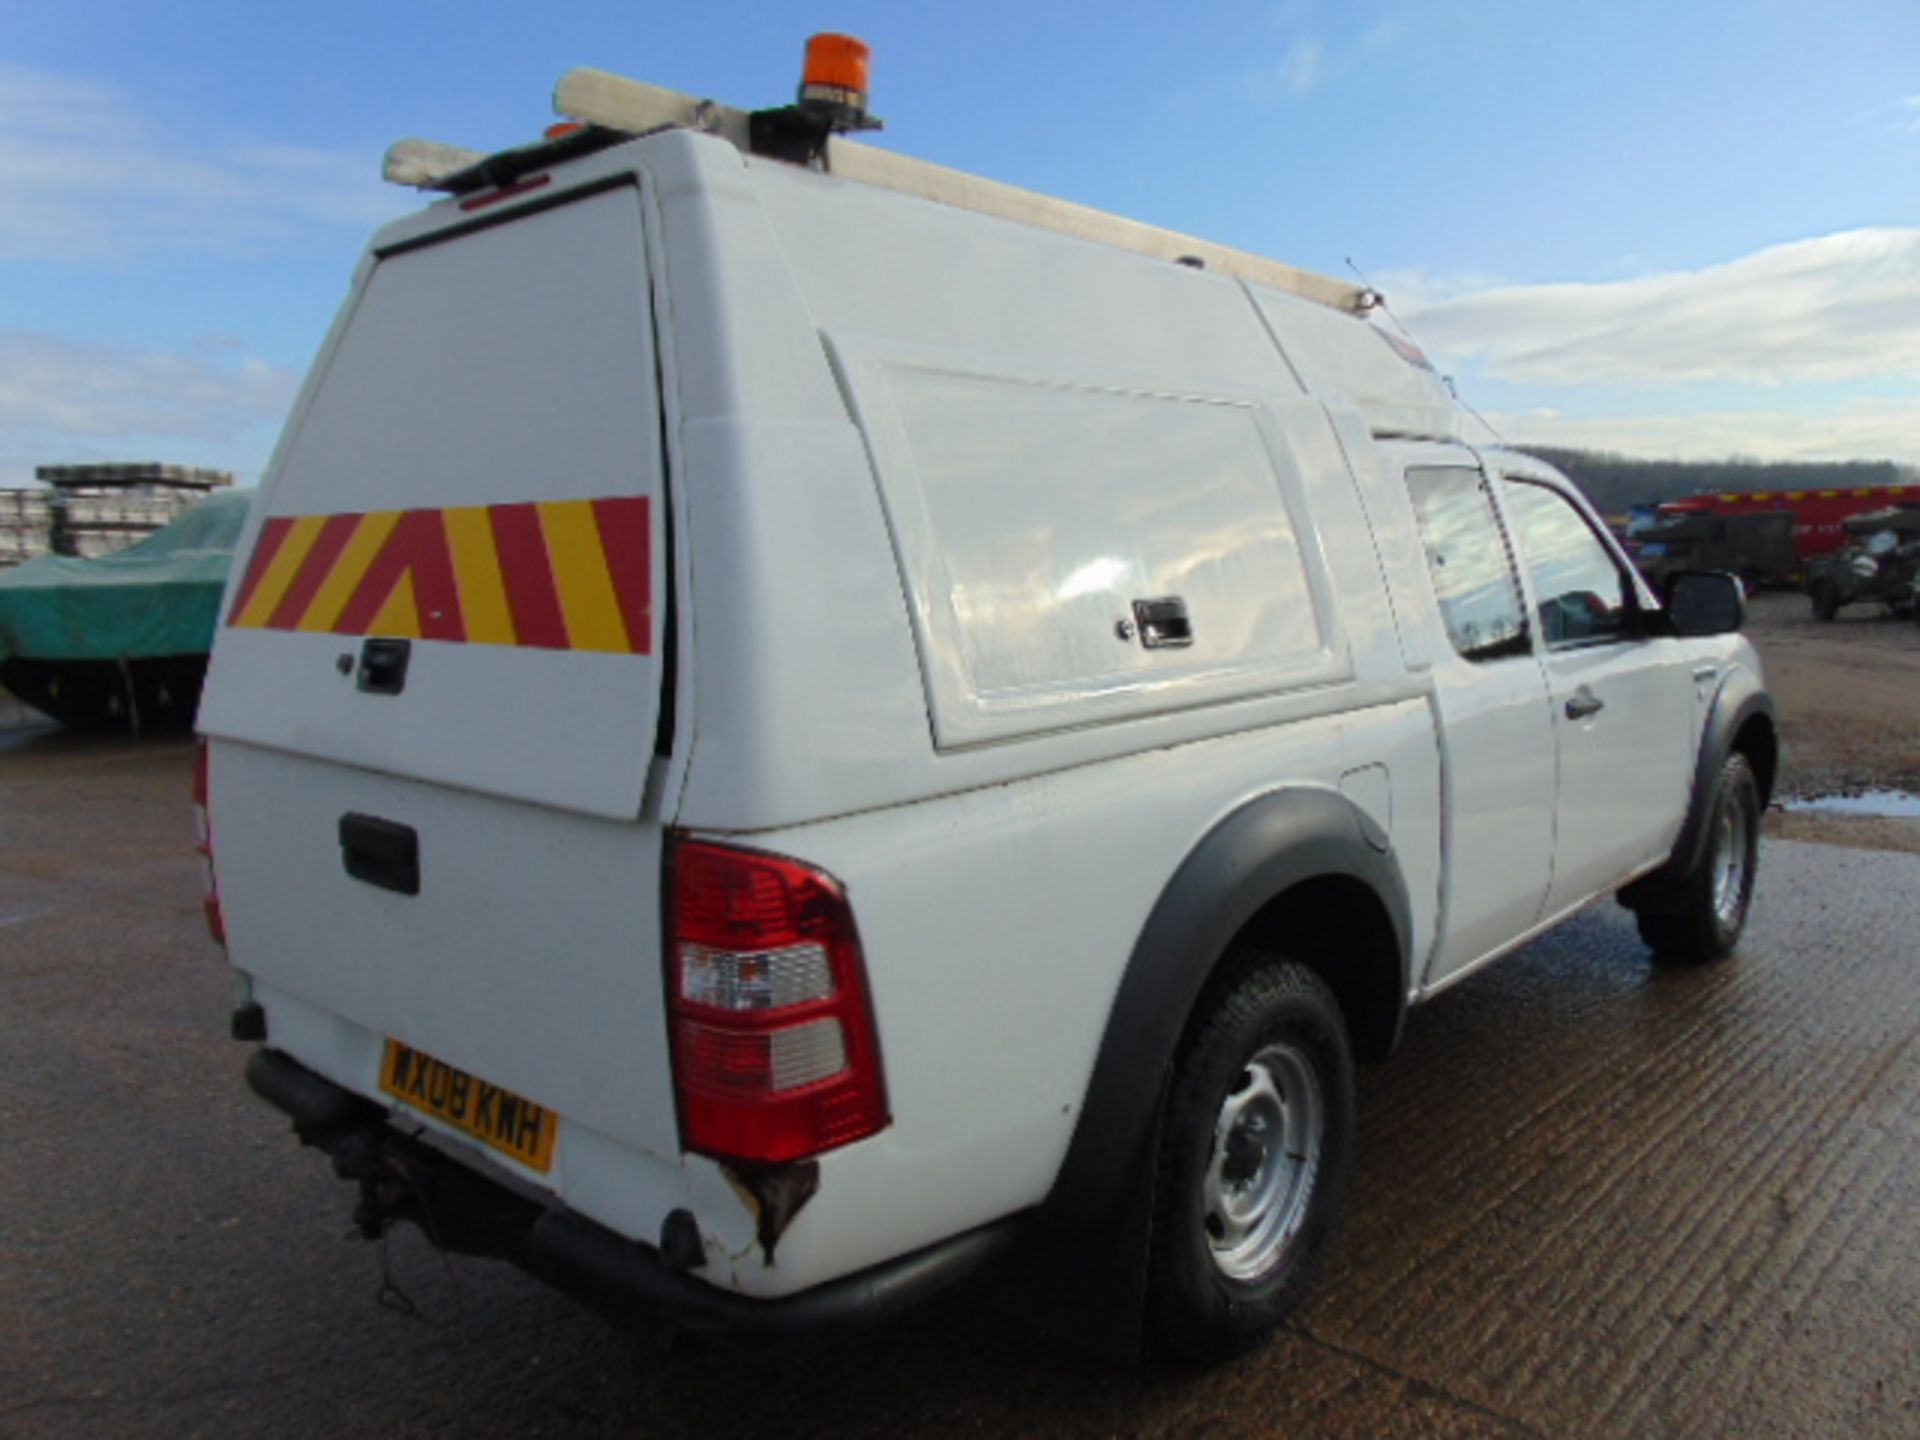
[1267, 1143]
[1730, 865]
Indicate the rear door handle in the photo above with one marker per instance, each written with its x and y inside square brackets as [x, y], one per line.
[1584, 703]
[383, 666]
[381, 852]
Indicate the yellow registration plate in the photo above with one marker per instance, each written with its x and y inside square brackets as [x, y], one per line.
[496, 1117]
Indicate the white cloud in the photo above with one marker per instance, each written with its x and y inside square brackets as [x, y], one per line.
[63, 399]
[1906, 120]
[1383, 34]
[1410, 292]
[1858, 430]
[1835, 308]
[1302, 68]
[91, 175]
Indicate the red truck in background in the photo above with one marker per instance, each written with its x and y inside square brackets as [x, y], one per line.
[1817, 514]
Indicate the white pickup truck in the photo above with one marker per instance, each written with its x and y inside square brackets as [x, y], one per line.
[791, 724]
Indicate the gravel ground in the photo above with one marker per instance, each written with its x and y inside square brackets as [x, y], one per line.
[1849, 702]
[1593, 1198]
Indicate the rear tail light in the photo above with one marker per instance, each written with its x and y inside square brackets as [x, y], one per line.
[203, 845]
[774, 1052]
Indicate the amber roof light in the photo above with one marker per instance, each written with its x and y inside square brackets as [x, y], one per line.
[836, 69]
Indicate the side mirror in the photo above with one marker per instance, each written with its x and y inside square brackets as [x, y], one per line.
[1703, 602]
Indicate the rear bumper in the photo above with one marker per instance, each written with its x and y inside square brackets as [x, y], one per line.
[464, 1211]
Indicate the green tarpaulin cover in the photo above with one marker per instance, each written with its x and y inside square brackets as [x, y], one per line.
[159, 597]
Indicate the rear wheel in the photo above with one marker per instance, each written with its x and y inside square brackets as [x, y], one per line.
[1700, 916]
[1256, 1147]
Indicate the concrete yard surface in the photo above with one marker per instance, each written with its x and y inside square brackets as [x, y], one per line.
[1593, 1197]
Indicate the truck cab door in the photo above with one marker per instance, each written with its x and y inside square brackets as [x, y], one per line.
[1621, 700]
[1490, 687]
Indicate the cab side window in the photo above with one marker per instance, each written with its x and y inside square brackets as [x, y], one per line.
[1584, 596]
[1473, 574]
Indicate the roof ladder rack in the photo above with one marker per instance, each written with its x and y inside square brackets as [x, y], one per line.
[614, 108]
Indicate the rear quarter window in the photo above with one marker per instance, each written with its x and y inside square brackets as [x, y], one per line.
[1467, 556]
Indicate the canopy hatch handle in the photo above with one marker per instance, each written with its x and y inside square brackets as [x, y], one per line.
[1163, 623]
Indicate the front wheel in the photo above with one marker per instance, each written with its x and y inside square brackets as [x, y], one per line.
[1700, 916]
[1256, 1148]
[1826, 601]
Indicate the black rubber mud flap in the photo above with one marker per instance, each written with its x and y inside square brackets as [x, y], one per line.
[1087, 1283]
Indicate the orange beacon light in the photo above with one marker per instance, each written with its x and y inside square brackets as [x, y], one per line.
[836, 70]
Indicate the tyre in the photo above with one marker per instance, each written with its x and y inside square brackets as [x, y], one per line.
[1700, 917]
[1256, 1148]
[1826, 601]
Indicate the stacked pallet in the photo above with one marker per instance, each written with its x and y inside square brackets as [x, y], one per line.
[25, 526]
[95, 510]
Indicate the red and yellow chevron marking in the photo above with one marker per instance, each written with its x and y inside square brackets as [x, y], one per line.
[557, 574]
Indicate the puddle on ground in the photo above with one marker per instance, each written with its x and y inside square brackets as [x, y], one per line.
[1882, 804]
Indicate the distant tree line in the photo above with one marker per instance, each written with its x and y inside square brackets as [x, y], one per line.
[1614, 483]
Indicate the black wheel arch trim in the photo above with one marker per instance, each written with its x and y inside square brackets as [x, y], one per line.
[1251, 857]
[1740, 699]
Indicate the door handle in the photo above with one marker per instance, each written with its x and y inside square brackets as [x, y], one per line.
[1163, 623]
[1584, 703]
[381, 852]
[383, 666]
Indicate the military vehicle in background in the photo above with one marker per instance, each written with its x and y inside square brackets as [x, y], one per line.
[122, 639]
[1819, 516]
[1879, 563]
[1759, 548]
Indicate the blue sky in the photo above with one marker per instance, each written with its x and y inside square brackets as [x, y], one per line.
[1659, 228]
